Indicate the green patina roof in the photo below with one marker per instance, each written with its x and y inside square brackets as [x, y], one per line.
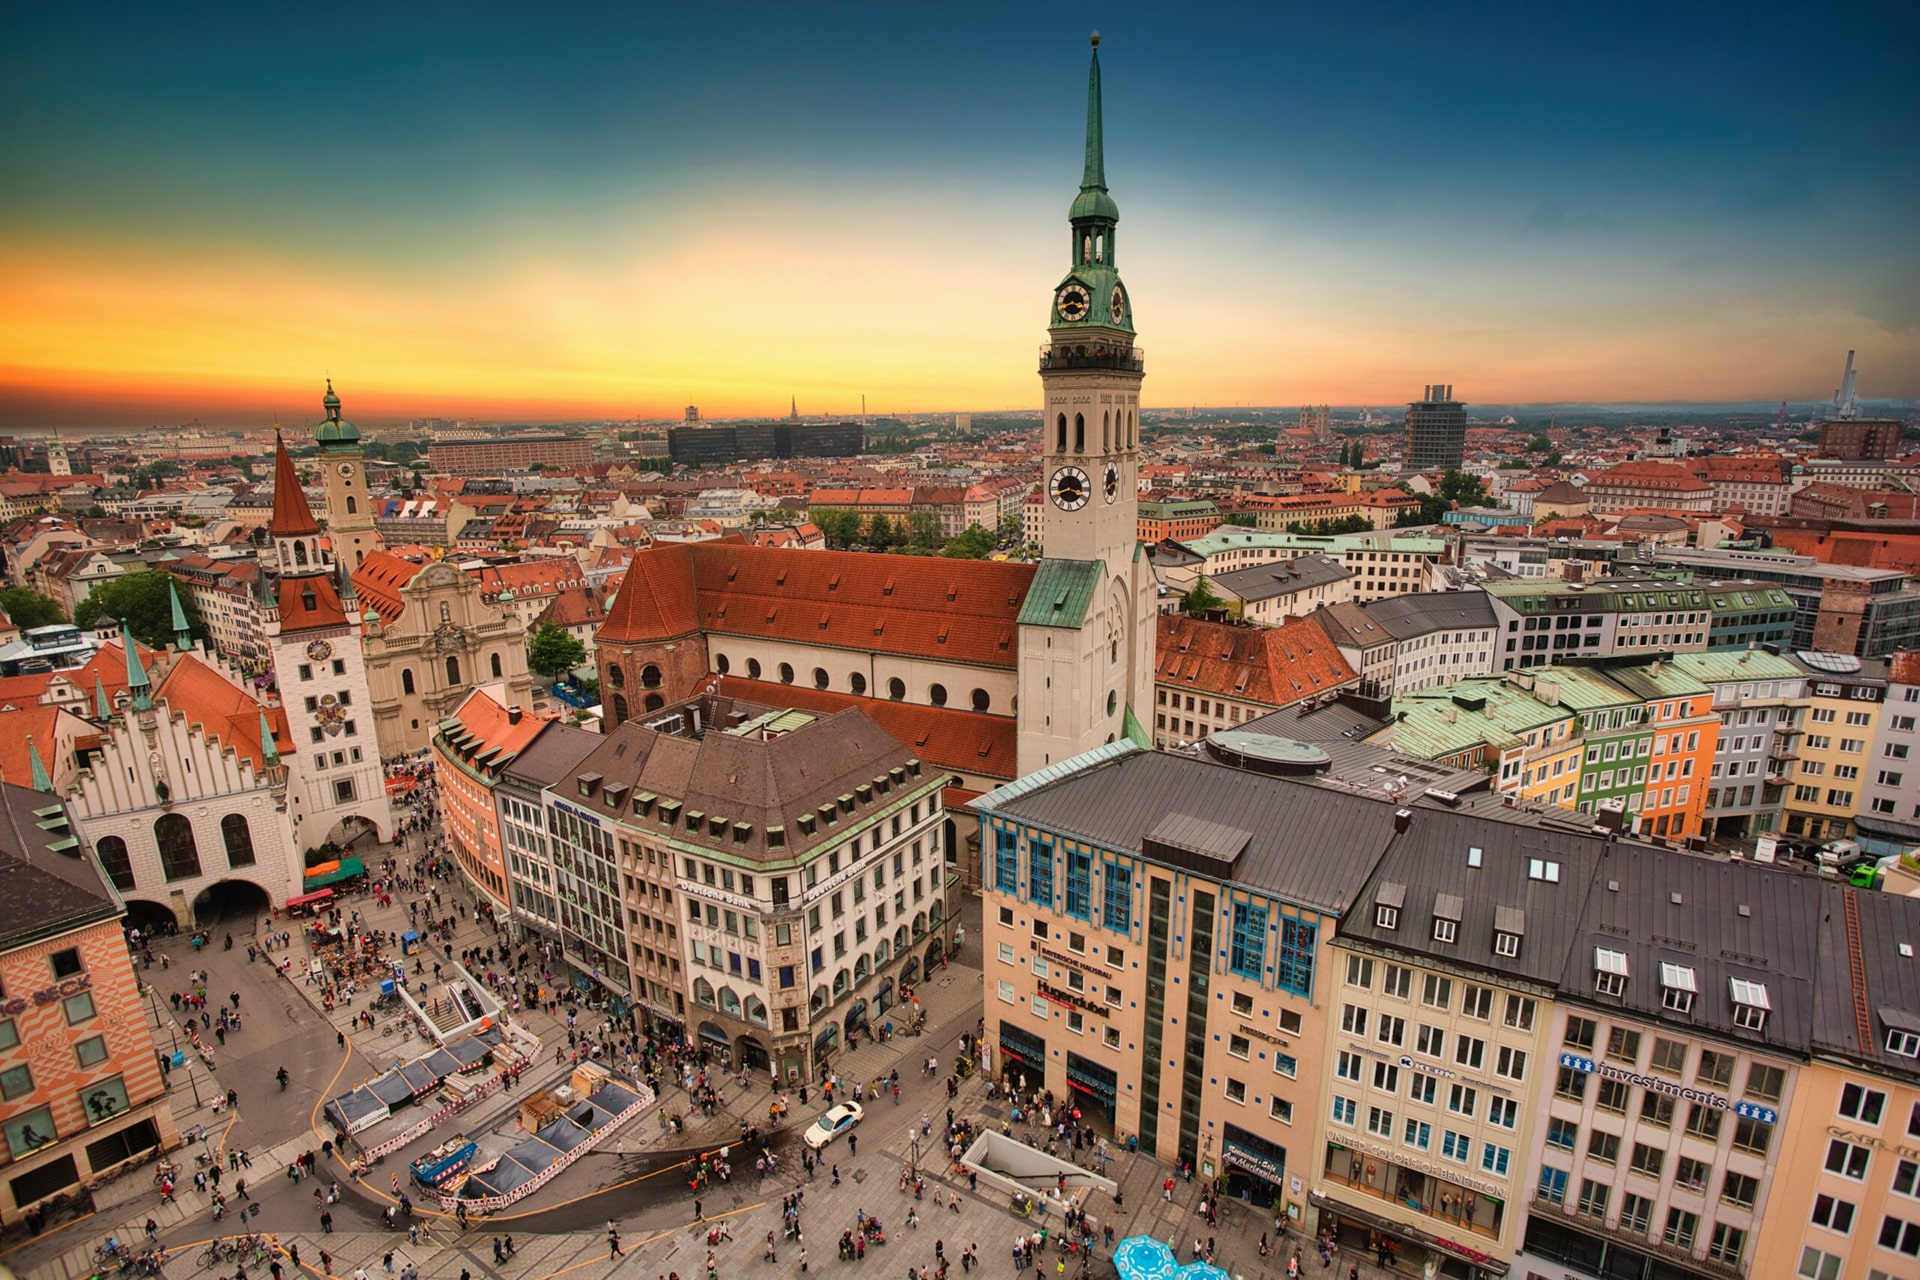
[1134, 731]
[1227, 537]
[1437, 725]
[1721, 665]
[1060, 593]
[335, 430]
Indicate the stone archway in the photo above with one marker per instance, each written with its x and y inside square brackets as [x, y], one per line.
[230, 900]
[936, 952]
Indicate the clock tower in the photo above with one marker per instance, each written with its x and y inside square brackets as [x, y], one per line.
[343, 470]
[1088, 625]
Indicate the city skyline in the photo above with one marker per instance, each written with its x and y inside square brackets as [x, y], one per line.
[504, 219]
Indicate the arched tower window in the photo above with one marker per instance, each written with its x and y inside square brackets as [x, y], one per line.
[453, 672]
[650, 677]
[494, 661]
[238, 838]
[179, 856]
[352, 506]
[1079, 433]
[655, 702]
[1100, 248]
[1106, 431]
[616, 677]
[406, 679]
[1086, 248]
[112, 851]
[619, 708]
[299, 553]
[1061, 447]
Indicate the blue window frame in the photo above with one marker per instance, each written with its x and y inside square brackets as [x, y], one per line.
[1006, 861]
[1494, 1159]
[1247, 952]
[1080, 884]
[1295, 969]
[1116, 909]
[1040, 872]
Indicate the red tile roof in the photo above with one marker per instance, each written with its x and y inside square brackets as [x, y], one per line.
[964, 741]
[224, 711]
[292, 517]
[922, 606]
[310, 603]
[1272, 666]
[379, 579]
[16, 726]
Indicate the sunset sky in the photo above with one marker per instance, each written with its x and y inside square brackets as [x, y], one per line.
[493, 213]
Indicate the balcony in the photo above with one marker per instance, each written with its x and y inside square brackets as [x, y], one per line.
[1093, 355]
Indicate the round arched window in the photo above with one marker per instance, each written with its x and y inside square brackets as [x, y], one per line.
[650, 677]
[897, 689]
[615, 677]
[858, 683]
[1113, 700]
[721, 664]
[981, 700]
[819, 677]
[937, 695]
[786, 673]
[753, 668]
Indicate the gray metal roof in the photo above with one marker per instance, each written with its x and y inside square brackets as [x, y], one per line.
[1428, 873]
[1408, 617]
[1724, 920]
[1281, 577]
[551, 755]
[1857, 1028]
[1308, 845]
[49, 883]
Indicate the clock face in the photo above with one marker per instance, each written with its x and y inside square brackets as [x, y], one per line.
[1074, 302]
[1070, 489]
[1118, 305]
[319, 651]
[346, 470]
[1110, 484]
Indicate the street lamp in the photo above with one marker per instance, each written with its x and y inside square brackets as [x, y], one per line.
[913, 1159]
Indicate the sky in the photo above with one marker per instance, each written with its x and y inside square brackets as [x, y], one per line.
[528, 212]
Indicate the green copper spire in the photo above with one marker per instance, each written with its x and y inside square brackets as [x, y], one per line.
[1096, 170]
[102, 705]
[41, 782]
[268, 747]
[1093, 200]
[182, 634]
[137, 683]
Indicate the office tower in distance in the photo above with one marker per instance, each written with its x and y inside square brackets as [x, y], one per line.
[1436, 430]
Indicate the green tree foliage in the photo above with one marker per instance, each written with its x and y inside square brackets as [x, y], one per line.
[554, 651]
[1345, 524]
[1243, 520]
[1010, 528]
[1539, 444]
[922, 532]
[880, 534]
[840, 527]
[973, 543]
[141, 600]
[1201, 599]
[28, 608]
[1461, 489]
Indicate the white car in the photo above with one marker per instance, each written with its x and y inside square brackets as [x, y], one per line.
[835, 1122]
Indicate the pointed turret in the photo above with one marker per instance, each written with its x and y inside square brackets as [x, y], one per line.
[137, 683]
[182, 634]
[268, 747]
[41, 782]
[292, 517]
[102, 705]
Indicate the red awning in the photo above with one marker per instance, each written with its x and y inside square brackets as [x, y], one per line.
[318, 895]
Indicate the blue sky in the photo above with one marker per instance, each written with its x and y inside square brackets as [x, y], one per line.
[1337, 203]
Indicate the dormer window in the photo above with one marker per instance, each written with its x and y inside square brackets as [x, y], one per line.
[1387, 917]
[1750, 1003]
[1447, 910]
[1609, 972]
[1677, 987]
[1543, 869]
[1386, 912]
[1506, 944]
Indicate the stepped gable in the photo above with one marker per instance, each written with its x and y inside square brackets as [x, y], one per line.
[965, 741]
[223, 710]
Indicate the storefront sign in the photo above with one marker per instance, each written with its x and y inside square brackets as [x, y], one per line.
[1061, 996]
[1258, 1034]
[1754, 1111]
[1253, 1162]
[47, 995]
[1068, 961]
[1608, 1070]
[1429, 1068]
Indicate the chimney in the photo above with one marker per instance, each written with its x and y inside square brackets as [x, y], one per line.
[513, 715]
[1402, 819]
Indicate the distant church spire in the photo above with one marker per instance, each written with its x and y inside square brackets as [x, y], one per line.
[1094, 178]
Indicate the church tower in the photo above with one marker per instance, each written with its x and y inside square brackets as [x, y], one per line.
[344, 473]
[335, 785]
[1086, 664]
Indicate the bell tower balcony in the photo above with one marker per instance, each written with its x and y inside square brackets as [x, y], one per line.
[1121, 357]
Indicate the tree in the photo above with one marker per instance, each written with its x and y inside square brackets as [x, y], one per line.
[840, 527]
[1010, 529]
[1462, 489]
[973, 543]
[28, 608]
[144, 601]
[1202, 599]
[922, 530]
[1539, 444]
[554, 651]
[880, 534]
[1243, 520]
